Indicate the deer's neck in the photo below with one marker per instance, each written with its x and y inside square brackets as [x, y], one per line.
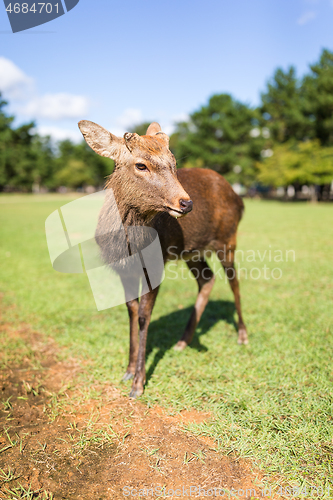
[131, 216]
[116, 220]
[128, 203]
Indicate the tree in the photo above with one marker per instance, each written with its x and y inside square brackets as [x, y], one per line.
[17, 154]
[86, 165]
[28, 161]
[225, 135]
[74, 175]
[44, 162]
[284, 107]
[5, 137]
[318, 89]
[297, 163]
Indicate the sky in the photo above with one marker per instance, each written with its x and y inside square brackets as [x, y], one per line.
[121, 63]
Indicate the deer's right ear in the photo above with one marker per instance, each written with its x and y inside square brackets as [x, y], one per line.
[101, 140]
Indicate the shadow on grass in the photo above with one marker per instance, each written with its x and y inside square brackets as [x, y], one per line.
[165, 332]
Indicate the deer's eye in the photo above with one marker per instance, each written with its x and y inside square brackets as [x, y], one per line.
[141, 166]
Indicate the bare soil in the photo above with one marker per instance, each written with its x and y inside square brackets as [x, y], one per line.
[56, 444]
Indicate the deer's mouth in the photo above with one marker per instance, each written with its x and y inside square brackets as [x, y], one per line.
[175, 213]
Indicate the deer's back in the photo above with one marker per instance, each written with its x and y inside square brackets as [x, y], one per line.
[217, 210]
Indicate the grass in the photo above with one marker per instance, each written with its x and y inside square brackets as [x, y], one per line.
[271, 401]
[21, 492]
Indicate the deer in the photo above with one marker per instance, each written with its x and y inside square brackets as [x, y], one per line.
[192, 209]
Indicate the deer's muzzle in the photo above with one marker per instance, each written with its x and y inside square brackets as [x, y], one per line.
[186, 206]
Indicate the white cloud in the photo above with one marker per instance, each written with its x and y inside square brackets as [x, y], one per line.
[168, 128]
[59, 134]
[56, 106]
[13, 81]
[306, 17]
[129, 117]
[181, 117]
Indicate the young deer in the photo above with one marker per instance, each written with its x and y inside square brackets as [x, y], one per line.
[150, 191]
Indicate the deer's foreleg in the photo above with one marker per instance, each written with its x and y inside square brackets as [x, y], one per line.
[131, 287]
[133, 312]
[147, 302]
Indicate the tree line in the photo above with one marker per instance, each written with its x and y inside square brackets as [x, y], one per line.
[286, 141]
[29, 162]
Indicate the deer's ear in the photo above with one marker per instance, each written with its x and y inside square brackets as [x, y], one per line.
[101, 140]
[153, 128]
[163, 136]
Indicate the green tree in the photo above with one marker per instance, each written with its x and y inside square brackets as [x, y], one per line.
[71, 155]
[297, 163]
[28, 161]
[318, 89]
[44, 162]
[284, 107]
[17, 155]
[5, 137]
[74, 175]
[225, 135]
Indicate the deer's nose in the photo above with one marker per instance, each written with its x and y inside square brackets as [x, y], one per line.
[186, 206]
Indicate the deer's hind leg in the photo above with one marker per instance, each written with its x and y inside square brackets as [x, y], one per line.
[227, 261]
[205, 279]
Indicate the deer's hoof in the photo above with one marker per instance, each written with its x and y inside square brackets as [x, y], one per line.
[127, 376]
[135, 393]
[242, 342]
[242, 336]
[180, 346]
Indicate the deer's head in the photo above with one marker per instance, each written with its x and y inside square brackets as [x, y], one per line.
[145, 169]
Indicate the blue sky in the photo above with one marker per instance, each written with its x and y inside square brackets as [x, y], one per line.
[117, 62]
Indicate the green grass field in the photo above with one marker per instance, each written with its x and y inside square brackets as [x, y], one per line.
[272, 400]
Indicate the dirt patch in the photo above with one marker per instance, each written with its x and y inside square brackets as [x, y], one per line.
[54, 444]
